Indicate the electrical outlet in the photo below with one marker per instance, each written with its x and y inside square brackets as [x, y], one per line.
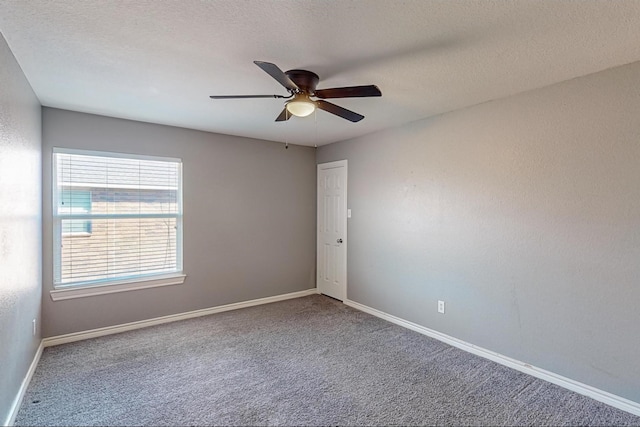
[441, 307]
[34, 327]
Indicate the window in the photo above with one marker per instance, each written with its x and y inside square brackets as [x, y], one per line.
[77, 202]
[117, 219]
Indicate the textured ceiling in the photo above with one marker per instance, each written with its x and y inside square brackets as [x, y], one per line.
[158, 61]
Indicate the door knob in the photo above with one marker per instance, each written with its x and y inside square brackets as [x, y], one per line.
[339, 240]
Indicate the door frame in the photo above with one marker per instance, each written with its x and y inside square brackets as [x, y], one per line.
[331, 165]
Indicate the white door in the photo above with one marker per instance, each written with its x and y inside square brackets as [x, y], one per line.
[332, 229]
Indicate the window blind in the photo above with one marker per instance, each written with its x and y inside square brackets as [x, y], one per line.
[116, 217]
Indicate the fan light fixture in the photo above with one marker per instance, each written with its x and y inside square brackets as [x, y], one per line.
[301, 86]
[301, 106]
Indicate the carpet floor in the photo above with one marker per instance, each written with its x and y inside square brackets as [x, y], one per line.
[307, 361]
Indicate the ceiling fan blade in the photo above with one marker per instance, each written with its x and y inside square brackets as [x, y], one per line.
[339, 111]
[283, 116]
[348, 92]
[278, 74]
[246, 96]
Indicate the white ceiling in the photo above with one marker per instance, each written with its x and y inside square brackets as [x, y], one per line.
[158, 61]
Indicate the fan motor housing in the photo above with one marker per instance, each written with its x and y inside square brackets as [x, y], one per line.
[305, 80]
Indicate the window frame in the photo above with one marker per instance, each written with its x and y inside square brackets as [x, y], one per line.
[79, 289]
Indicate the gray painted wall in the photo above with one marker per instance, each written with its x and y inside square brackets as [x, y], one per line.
[249, 219]
[20, 228]
[523, 214]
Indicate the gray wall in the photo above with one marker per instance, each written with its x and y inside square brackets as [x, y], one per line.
[523, 214]
[249, 219]
[20, 228]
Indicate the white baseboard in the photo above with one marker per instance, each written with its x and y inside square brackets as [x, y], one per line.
[578, 387]
[94, 333]
[15, 407]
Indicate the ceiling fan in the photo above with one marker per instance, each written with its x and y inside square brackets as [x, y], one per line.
[301, 85]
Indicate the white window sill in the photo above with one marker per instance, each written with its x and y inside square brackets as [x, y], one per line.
[116, 286]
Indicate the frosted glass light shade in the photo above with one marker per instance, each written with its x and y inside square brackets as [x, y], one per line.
[301, 106]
